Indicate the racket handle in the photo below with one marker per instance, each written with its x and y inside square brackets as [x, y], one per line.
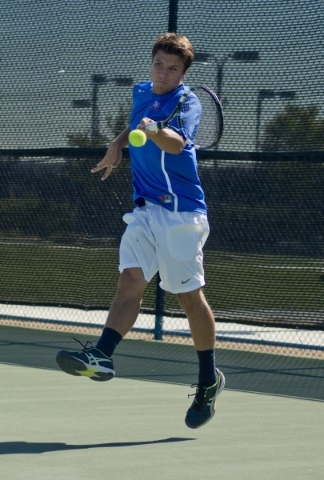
[152, 127]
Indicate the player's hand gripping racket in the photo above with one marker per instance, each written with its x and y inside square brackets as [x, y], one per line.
[211, 123]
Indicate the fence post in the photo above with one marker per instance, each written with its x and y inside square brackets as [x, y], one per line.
[159, 306]
[173, 16]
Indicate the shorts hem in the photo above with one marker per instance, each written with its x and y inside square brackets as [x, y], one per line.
[184, 289]
[135, 265]
[129, 265]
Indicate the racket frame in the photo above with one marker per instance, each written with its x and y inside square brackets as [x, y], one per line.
[156, 126]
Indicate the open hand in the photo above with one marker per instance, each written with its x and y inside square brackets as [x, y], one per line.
[111, 160]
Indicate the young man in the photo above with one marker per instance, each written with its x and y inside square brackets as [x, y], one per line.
[166, 231]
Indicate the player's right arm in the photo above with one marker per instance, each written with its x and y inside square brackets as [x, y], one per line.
[114, 154]
[166, 139]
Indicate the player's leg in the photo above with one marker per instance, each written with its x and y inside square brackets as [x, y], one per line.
[127, 302]
[95, 362]
[211, 380]
[201, 318]
[137, 266]
[124, 309]
[180, 258]
[202, 326]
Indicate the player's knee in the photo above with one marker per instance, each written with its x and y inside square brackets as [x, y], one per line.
[131, 281]
[189, 300]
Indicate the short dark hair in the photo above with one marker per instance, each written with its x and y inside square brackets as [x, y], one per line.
[175, 44]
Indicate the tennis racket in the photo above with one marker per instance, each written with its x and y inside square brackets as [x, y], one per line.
[211, 123]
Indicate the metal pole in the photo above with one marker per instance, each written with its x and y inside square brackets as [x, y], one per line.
[159, 299]
[159, 307]
[257, 140]
[173, 16]
[220, 66]
[95, 115]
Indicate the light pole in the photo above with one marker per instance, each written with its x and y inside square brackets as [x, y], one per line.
[244, 56]
[268, 94]
[96, 81]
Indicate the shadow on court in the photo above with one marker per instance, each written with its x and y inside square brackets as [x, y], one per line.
[7, 448]
[172, 363]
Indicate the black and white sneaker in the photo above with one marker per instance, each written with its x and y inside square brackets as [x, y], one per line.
[203, 407]
[91, 363]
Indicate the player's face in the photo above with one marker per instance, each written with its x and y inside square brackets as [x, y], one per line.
[167, 72]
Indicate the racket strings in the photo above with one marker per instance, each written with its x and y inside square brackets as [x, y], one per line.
[209, 127]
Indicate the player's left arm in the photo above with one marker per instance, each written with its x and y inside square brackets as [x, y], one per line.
[167, 139]
[114, 154]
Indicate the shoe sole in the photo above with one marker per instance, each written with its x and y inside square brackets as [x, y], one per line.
[222, 382]
[72, 366]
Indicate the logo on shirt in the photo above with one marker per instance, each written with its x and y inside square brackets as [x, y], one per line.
[156, 105]
[165, 198]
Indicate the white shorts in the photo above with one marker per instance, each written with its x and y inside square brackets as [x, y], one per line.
[169, 242]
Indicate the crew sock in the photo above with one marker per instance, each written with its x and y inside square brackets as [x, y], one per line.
[207, 372]
[108, 341]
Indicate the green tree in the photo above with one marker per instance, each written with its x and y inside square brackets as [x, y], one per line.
[116, 123]
[295, 129]
[84, 140]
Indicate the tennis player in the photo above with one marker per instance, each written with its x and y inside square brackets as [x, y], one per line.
[167, 229]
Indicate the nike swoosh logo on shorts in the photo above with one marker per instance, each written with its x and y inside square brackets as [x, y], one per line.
[186, 280]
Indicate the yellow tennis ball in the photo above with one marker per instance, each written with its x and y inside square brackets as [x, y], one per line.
[137, 138]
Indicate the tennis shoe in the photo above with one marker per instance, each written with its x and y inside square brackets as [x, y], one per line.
[90, 362]
[202, 409]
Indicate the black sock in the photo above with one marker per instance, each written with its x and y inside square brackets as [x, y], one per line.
[108, 341]
[207, 373]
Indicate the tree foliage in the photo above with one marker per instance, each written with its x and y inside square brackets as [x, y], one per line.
[116, 123]
[84, 140]
[295, 129]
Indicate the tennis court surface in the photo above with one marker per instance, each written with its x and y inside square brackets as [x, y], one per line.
[269, 421]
